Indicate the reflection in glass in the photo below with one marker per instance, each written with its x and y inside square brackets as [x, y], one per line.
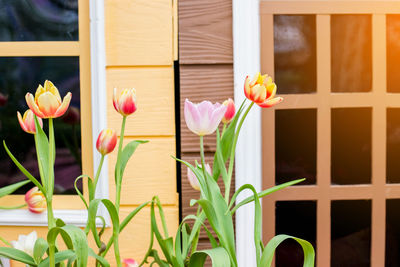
[39, 20]
[290, 253]
[351, 233]
[393, 145]
[392, 233]
[295, 145]
[393, 52]
[351, 145]
[19, 76]
[351, 53]
[295, 53]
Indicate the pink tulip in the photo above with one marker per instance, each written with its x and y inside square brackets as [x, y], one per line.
[3, 100]
[47, 101]
[27, 122]
[125, 102]
[194, 182]
[106, 141]
[230, 111]
[203, 118]
[261, 90]
[35, 200]
[130, 263]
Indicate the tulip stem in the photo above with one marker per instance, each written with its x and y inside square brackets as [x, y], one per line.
[96, 178]
[118, 175]
[203, 164]
[232, 157]
[13, 208]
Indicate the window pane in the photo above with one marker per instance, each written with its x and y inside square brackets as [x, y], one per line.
[295, 53]
[290, 253]
[295, 145]
[44, 20]
[393, 145]
[393, 52]
[392, 233]
[351, 145]
[351, 53]
[351, 233]
[19, 76]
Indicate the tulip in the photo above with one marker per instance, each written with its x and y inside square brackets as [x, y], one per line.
[26, 243]
[130, 263]
[261, 90]
[230, 111]
[3, 100]
[35, 200]
[47, 101]
[106, 141]
[72, 116]
[203, 118]
[194, 182]
[27, 122]
[125, 102]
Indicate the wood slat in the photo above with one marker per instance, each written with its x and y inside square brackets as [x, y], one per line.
[139, 32]
[198, 83]
[151, 171]
[155, 95]
[205, 31]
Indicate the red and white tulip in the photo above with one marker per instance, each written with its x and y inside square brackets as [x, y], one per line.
[230, 111]
[125, 102]
[106, 141]
[130, 263]
[35, 200]
[27, 121]
[261, 90]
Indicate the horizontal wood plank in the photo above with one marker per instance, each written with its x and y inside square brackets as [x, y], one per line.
[155, 98]
[151, 171]
[139, 32]
[205, 31]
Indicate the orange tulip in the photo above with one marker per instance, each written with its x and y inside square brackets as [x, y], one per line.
[47, 101]
[27, 122]
[35, 200]
[261, 90]
[106, 141]
[125, 102]
[230, 111]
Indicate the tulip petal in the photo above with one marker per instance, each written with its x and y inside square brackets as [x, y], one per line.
[271, 102]
[50, 87]
[30, 101]
[216, 118]
[115, 100]
[48, 104]
[64, 106]
[192, 117]
[21, 122]
[247, 87]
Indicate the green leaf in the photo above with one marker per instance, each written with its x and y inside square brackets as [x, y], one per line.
[131, 215]
[42, 151]
[219, 258]
[17, 255]
[269, 250]
[90, 186]
[127, 153]
[39, 249]
[59, 257]
[98, 258]
[4, 191]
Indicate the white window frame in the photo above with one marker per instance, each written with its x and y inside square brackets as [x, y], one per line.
[248, 167]
[99, 122]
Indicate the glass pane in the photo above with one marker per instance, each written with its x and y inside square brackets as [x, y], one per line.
[351, 53]
[295, 53]
[19, 76]
[393, 145]
[295, 154]
[351, 233]
[393, 52]
[290, 253]
[392, 233]
[351, 145]
[44, 20]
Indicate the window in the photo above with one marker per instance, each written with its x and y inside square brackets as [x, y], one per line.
[51, 40]
[338, 64]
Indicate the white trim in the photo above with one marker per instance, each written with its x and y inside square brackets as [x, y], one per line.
[246, 54]
[98, 84]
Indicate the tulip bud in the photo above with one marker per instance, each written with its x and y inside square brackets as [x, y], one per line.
[125, 102]
[230, 111]
[35, 200]
[194, 182]
[3, 100]
[130, 263]
[106, 141]
[25, 243]
[27, 122]
[72, 116]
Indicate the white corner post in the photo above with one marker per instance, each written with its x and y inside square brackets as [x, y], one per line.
[246, 54]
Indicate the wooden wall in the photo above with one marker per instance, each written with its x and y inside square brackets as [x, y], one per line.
[206, 73]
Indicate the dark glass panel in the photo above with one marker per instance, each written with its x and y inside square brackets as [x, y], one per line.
[295, 145]
[351, 233]
[351, 145]
[393, 145]
[393, 53]
[39, 20]
[295, 53]
[19, 76]
[392, 233]
[304, 214]
[351, 53]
